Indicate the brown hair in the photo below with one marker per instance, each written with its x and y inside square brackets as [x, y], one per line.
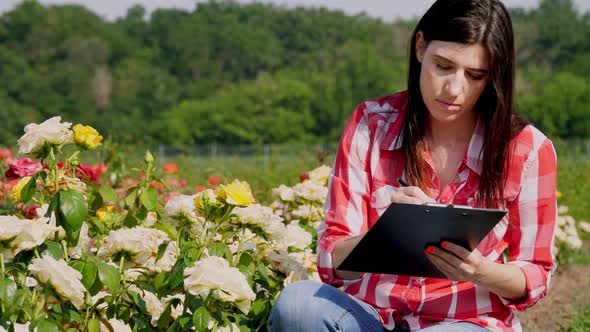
[488, 23]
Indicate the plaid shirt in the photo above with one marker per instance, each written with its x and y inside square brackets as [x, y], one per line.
[368, 161]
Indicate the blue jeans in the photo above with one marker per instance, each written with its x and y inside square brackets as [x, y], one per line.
[314, 306]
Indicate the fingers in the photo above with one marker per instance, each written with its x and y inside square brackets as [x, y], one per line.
[397, 197]
[456, 249]
[410, 195]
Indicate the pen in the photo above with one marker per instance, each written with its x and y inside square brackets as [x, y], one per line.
[402, 182]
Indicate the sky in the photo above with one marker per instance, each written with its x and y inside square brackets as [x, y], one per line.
[388, 10]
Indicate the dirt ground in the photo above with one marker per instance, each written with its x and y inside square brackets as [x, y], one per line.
[570, 288]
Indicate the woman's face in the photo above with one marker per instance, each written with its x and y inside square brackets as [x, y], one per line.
[452, 78]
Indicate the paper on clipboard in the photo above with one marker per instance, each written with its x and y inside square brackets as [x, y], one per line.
[396, 243]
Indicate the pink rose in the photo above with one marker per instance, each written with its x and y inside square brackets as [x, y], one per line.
[18, 168]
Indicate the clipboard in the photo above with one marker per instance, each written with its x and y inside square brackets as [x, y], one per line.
[396, 242]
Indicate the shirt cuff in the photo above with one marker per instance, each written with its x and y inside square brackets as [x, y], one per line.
[325, 265]
[537, 281]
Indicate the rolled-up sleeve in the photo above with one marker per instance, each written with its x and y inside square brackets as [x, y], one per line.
[346, 206]
[532, 224]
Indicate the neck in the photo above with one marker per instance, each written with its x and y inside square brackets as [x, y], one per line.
[452, 133]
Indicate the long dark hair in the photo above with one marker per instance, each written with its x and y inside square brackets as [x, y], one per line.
[485, 22]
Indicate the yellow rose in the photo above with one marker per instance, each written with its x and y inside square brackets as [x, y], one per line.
[559, 194]
[236, 193]
[15, 191]
[105, 213]
[86, 136]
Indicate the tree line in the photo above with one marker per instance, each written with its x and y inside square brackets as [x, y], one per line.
[252, 73]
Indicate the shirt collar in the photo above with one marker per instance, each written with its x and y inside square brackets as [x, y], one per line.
[473, 158]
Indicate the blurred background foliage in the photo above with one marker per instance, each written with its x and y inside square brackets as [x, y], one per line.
[179, 78]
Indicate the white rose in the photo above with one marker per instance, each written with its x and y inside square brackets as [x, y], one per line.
[295, 276]
[19, 327]
[307, 212]
[256, 214]
[153, 305]
[297, 237]
[99, 296]
[150, 219]
[65, 280]
[282, 261]
[214, 274]
[22, 234]
[278, 235]
[142, 244]
[117, 325]
[312, 191]
[36, 136]
[562, 209]
[176, 310]
[285, 193]
[584, 226]
[307, 259]
[320, 174]
[232, 327]
[181, 206]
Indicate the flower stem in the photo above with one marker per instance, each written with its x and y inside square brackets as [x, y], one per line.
[2, 264]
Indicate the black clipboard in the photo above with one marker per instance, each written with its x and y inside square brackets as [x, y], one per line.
[396, 242]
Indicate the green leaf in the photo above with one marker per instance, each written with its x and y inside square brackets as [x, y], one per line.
[73, 208]
[220, 249]
[44, 325]
[149, 198]
[109, 276]
[54, 249]
[259, 306]
[138, 300]
[167, 228]
[89, 272]
[108, 194]
[131, 196]
[7, 291]
[262, 271]
[95, 201]
[201, 319]
[28, 190]
[52, 206]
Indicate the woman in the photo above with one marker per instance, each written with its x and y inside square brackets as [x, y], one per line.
[454, 136]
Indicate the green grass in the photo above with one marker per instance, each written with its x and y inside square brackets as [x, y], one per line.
[573, 181]
[580, 322]
[262, 173]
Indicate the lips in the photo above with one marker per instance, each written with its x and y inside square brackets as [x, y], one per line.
[449, 106]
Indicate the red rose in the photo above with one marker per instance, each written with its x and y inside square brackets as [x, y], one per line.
[98, 169]
[214, 180]
[18, 168]
[84, 172]
[304, 176]
[5, 154]
[171, 168]
[199, 188]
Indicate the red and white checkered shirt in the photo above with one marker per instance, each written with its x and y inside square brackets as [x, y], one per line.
[368, 161]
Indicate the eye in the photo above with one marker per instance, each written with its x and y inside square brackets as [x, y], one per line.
[475, 77]
[442, 67]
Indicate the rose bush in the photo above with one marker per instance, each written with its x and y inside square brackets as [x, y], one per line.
[107, 250]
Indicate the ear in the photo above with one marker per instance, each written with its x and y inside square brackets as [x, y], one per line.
[420, 46]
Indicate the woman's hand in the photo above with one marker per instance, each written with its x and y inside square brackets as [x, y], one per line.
[457, 263]
[410, 195]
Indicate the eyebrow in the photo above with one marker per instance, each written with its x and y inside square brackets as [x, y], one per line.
[482, 71]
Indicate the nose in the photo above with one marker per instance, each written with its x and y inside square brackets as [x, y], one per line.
[454, 85]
